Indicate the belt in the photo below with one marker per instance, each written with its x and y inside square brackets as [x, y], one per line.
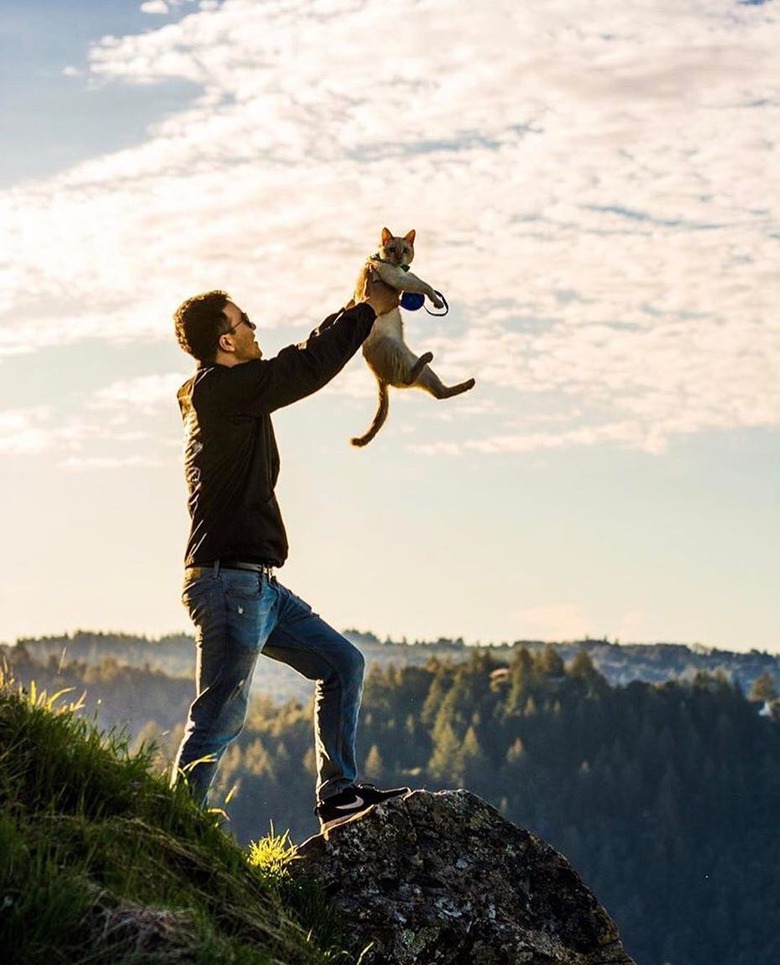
[265, 569]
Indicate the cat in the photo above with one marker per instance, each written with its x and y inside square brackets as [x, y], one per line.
[385, 351]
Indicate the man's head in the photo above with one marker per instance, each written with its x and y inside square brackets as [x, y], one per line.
[212, 328]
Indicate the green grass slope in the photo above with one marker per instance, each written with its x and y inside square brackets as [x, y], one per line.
[100, 862]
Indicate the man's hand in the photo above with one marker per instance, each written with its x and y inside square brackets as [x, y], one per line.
[381, 297]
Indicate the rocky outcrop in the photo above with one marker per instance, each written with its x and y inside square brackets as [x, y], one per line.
[443, 878]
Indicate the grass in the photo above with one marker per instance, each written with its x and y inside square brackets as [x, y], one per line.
[271, 857]
[101, 862]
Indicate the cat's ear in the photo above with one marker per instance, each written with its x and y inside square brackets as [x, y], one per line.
[410, 237]
[386, 236]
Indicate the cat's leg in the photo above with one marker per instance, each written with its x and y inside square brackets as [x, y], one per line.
[419, 365]
[411, 283]
[392, 275]
[431, 383]
[406, 281]
[392, 361]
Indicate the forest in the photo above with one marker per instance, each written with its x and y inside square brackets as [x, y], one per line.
[663, 795]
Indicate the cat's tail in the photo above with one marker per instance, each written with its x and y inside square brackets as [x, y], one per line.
[379, 418]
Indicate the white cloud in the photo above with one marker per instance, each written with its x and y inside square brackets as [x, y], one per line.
[632, 435]
[93, 463]
[101, 430]
[145, 394]
[155, 7]
[24, 431]
[594, 195]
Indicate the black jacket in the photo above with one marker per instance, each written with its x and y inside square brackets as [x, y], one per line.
[231, 458]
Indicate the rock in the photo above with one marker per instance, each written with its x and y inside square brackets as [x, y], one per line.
[443, 878]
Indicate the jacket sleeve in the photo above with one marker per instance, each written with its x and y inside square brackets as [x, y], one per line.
[261, 386]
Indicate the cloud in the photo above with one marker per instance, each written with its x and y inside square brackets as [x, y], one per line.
[155, 7]
[145, 394]
[42, 429]
[594, 195]
[24, 431]
[168, 6]
[93, 463]
[626, 434]
[101, 430]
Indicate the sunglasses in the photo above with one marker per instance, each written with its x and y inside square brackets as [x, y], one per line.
[244, 320]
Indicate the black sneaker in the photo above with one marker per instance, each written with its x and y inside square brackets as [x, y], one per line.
[353, 800]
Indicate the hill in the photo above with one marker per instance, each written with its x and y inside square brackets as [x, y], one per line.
[100, 862]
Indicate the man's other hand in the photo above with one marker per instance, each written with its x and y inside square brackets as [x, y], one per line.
[381, 297]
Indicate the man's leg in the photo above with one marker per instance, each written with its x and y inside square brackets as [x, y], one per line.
[304, 641]
[233, 612]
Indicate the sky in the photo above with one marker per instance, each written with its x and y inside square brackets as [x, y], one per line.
[594, 188]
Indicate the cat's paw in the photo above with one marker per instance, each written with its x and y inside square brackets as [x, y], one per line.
[425, 358]
[437, 302]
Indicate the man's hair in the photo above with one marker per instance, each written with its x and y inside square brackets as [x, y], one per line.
[200, 320]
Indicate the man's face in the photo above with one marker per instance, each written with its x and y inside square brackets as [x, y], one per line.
[241, 334]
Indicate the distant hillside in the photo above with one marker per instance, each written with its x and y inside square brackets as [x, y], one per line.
[174, 656]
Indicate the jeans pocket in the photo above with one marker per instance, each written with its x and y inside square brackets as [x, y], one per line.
[247, 586]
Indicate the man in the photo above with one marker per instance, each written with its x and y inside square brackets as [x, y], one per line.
[237, 539]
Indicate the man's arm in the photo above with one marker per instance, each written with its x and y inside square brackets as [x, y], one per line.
[378, 294]
[300, 370]
[262, 386]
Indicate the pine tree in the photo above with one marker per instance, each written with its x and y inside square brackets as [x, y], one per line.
[446, 763]
[764, 688]
[375, 767]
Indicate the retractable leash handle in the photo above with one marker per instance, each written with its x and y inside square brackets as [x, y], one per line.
[414, 301]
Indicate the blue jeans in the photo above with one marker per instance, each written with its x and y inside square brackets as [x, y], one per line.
[238, 615]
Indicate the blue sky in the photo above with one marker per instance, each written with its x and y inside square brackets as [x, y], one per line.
[593, 187]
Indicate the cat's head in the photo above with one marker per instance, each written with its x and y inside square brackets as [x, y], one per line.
[398, 251]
